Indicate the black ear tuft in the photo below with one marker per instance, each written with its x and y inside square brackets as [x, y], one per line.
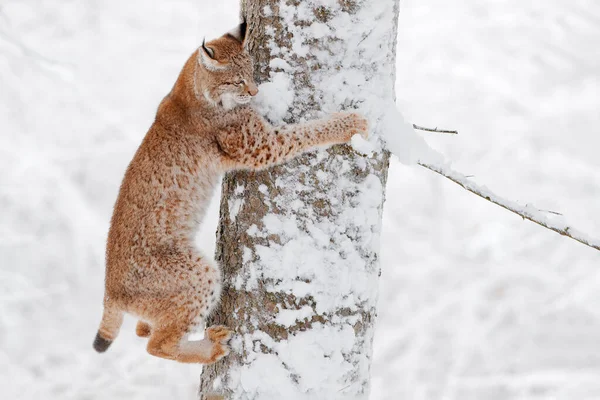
[209, 52]
[239, 32]
[243, 29]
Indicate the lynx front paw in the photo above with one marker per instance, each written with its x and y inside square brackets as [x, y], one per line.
[354, 123]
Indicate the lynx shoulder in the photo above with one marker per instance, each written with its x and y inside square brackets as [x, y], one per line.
[203, 128]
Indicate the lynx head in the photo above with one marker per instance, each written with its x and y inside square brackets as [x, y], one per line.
[226, 70]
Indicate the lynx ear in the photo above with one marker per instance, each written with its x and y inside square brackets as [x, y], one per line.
[207, 50]
[239, 32]
[206, 57]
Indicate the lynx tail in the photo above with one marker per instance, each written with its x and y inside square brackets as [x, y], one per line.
[112, 319]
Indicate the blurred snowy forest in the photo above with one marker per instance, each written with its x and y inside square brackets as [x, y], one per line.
[475, 303]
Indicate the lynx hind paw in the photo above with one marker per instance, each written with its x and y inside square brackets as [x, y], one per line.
[219, 351]
[219, 334]
[143, 330]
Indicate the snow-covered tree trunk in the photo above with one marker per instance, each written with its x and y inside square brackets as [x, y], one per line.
[299, 243]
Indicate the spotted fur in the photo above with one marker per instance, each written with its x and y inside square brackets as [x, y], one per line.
[202, 129]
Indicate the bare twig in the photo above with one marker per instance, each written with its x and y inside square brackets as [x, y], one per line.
[525, 212]
[551, 212]
[422, 128]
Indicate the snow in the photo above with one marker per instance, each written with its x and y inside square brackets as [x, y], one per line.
[235, 206]
[290, 317]
[299, 351]
[278, 87]
[474, 302]
[402, 140]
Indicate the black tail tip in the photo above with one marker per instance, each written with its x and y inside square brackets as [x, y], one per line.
[101, 344]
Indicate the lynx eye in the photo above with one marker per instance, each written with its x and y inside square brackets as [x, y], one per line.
[240, 83]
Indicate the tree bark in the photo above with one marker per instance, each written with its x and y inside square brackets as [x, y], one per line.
[298, 244]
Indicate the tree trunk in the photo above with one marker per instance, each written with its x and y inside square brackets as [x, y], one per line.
[298, 244]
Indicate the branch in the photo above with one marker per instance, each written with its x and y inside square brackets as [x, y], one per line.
[526, 212]
[422, 128]
[213, 397]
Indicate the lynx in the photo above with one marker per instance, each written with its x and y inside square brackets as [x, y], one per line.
[203, 128]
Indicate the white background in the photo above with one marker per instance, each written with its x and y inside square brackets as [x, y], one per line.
[475, 303]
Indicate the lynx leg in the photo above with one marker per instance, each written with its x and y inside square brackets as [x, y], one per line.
[255, 144]
[187, 306]
[171, 342]
[143, 329]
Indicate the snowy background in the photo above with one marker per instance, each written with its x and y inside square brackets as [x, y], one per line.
[475, 303]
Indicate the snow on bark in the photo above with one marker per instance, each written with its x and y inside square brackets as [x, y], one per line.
[299, 243]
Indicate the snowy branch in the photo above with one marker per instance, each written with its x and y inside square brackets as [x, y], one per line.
[526, 212]
[422, 128]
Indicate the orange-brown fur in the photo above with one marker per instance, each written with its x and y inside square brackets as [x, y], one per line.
[202, 129]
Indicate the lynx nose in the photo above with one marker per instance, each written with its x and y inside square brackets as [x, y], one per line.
[252, 89]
